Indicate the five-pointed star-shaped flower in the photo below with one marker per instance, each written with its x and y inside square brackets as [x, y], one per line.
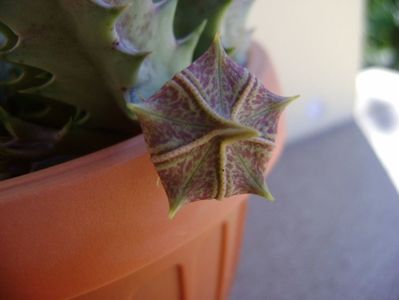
[210, 130]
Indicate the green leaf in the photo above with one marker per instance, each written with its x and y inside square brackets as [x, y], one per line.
[94, 54]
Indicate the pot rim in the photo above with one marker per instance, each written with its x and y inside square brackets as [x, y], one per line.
[113, 155]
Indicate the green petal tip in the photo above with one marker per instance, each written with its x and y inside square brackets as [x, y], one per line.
[174, 208]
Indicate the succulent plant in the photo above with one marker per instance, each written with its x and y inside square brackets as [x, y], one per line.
[72, 66]
[76, 75]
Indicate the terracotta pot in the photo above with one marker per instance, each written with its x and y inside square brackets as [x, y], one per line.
[97, 228]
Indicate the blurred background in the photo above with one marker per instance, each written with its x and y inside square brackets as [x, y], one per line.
[316, 48]
[333, 231]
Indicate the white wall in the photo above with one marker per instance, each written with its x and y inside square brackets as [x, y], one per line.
[315, 46]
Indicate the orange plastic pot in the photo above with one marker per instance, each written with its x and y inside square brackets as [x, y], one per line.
[97, 228]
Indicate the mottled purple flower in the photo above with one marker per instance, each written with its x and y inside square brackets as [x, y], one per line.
[211, 130]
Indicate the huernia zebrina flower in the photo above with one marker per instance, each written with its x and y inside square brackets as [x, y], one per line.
[211, 130]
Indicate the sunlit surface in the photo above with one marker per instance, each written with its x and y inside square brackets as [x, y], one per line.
[377, 113]
[332, 233]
